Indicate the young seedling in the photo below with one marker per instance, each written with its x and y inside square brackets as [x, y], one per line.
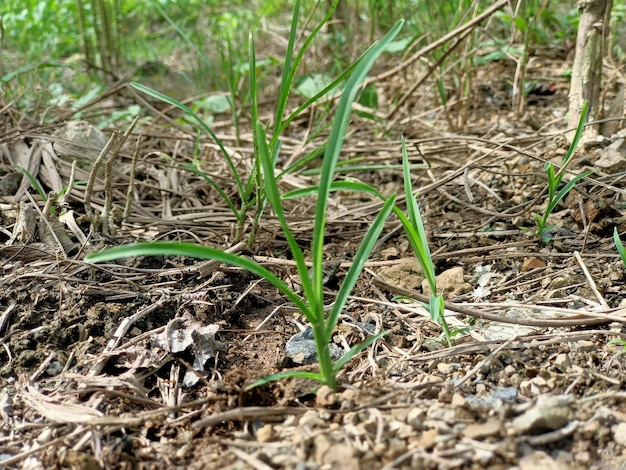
[619, 245]
[555, 178]
[311, 302]
[414, 228]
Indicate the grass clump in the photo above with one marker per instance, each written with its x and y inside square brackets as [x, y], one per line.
[311, 303]
[414, 228]
[556, 195]
[250, 194]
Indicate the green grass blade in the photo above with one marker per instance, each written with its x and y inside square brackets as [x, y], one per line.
[287, 83]
[167, 99]
[333, 150]
[579, 133]
[310, 37]
[354, 350]
[182, 34]
[553, 180]
[411, 203]
[564, 190]
[196, 251]
[254, 99]
[289, 73]
[295, 166]
[414, 226]
[287, 78]
[437, 309]
[255, 182]
[619, 245]
[314, 99]
[541, 223]
[422, 242]
[194, 169]
[344, 185]
[34, 182]
[358, 263]
[418, 243]
[272, 193]
[345, 168]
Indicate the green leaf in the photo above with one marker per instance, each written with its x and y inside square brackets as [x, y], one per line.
[312, 85]
[34, 182]
[312, 100]
[214, 103]
[566, 189]
[167, 99]
[272, 193]
[343, 185]
[520, 24]
[618, 342]
[335, 142]
[398, 46]
[579, 132]
[193, 168]
[553, 181]
[196, 251]
[415, 225]
[288, 71]
[358, 263]
[619, 245]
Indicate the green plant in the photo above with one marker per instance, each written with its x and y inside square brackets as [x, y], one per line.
[311, 302]
[249, 191]
[619, 342]
[39, 188]
[555, 178]
[34, 182]
[243, 192]
[619, 245]
[414, 228]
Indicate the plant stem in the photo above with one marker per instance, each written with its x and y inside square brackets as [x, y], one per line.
[323, 353]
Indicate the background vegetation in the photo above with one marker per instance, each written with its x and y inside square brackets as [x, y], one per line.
[67, 50]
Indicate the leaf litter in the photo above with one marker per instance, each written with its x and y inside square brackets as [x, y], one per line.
[144, 363]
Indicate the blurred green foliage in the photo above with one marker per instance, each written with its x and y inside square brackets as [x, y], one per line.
[201, 44]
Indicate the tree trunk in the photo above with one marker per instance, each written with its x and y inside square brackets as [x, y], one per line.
[593, 31]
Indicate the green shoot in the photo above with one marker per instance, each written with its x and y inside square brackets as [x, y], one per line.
[39, 188]
[619, 342]
[238, 212]
[619, 245]
[250, 192]
[414, 227]
[34, 182]
[555, 178]
[311, 302]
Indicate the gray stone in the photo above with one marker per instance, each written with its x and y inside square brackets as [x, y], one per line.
[613, 158]
[301, 348]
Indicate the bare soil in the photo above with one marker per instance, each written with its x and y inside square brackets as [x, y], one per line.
[90, 376]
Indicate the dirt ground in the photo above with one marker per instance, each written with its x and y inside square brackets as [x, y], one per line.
[143, 363]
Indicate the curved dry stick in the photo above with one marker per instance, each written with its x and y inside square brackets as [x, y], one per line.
[579, 320]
